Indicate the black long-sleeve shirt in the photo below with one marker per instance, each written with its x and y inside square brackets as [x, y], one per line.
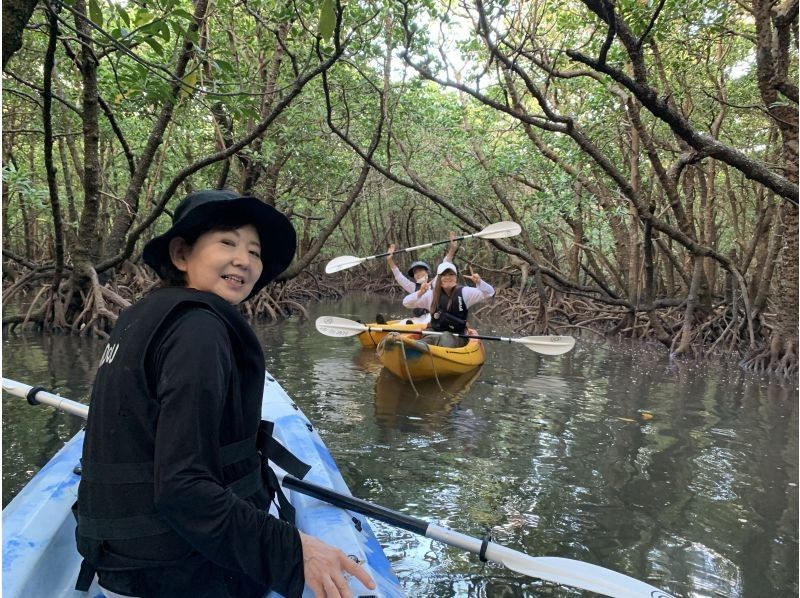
[200, 410]
[173, 393]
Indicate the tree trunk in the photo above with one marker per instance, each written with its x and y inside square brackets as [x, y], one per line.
[49, 164]
[774, 23]
[16, 14]
[691, 305]
[86, 249]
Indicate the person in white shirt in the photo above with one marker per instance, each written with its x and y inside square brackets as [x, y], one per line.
[449, 303]
[418, 273]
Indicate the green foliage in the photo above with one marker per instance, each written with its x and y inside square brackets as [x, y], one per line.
[700, 54]
[20, 182]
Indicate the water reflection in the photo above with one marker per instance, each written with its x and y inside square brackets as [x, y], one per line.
[552, 455]
[367, 361]
[423, 406]
[32, 435]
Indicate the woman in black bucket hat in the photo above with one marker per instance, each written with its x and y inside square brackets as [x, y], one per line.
[175, 489]
[200, 210]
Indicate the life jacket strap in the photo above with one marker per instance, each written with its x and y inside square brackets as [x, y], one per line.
[277, 453]
[85, 576]
[123, 528]
[272, 450]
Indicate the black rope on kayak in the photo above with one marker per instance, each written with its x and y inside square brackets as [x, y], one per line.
[392, 338]
[31, 394]
[433, 367]
[405, 363]
[397, 339]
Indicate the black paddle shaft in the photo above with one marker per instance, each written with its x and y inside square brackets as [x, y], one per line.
[423, 332]
[406, 522]
[415, 248]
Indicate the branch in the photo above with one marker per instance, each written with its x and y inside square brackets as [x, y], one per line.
[229, 151]
[47, 125]
[705, 145]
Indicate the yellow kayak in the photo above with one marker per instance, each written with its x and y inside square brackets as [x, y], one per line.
[370, 339]
[409, 358]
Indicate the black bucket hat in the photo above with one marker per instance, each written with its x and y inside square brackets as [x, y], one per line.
[416, 265]
[202, 210]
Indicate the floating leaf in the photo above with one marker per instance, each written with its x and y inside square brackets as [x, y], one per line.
[143, 17]
[123, 14]
[179, 12]
[164, 32]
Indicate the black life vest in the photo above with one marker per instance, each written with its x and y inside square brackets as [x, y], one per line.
[419, 311]
[451, 313]
[116, 514]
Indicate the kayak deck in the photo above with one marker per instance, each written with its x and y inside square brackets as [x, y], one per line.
[39, 553]
[370, 339]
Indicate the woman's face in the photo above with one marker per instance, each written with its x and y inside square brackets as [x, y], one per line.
[420, 275]
[227, 263]
[449, 280]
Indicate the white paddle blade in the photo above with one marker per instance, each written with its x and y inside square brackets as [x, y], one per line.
[339, 327]
[557, 570]
[575, 573]
[500, 230]
[547, 345]
[343, 262]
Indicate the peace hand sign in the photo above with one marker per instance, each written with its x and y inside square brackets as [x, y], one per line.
[475, 278]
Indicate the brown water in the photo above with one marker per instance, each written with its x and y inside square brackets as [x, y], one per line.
[553, 455]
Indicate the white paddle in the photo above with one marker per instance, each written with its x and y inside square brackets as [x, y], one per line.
[498, 230]
[546, 345]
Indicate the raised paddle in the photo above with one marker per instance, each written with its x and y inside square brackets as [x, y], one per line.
[498, 230]
[558, 570]
[546, 345]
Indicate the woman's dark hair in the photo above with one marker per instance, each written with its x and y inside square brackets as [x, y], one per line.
[172, 277]
[437, 293]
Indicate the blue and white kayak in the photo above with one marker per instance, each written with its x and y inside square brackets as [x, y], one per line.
[39, 554]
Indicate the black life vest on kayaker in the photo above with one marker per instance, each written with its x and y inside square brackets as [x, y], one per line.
[419, 311]
[451, 314]
[116, 511]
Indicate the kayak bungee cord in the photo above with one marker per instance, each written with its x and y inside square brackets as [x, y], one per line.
[395, 339]
[435, 373]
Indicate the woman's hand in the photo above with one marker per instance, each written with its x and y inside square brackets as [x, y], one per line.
[326, 569]
[422, 288]
[390, 257]
[475, 278]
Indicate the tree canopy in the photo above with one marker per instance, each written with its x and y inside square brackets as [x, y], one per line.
[649, 150]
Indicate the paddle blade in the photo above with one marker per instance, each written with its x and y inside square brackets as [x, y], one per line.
[575, 573]
[500, 230]
[339, 327]
[547, 345]
[343, 262]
